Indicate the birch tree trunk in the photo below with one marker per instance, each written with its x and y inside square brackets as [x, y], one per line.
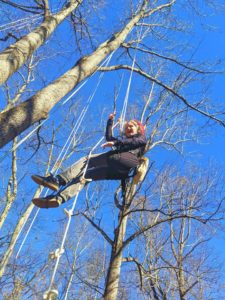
[22, 221]
[180, 263]
[11, 189]
[113, 276]
[13, 57]
[20, 224]
[16, 120]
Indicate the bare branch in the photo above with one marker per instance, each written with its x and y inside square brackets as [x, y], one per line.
[146, 228]
[139, 267]
[160, 7]
[184, 65]
[103, 233]
[32, 9]
[172, 91]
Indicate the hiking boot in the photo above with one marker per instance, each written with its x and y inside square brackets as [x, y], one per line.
[48, 202]
[49, 181]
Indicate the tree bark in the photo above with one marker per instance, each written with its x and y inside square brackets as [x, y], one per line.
[16, 120]
[113, 276]
[11, 189]
[13, 57]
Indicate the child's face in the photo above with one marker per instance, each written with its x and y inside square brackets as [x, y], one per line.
[131, 129]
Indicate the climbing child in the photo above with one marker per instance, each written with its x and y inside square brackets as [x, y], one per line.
[115, 164]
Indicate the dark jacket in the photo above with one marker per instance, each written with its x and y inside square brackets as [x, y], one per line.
[135, 144]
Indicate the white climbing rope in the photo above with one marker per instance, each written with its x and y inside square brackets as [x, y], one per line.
[22, 22]
[70, 212]
[107, 60]
[27, 233]
[69, 215]
[69, 141]
[124, 109]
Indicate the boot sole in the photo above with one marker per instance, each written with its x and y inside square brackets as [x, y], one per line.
[43, 203]
[45, 183]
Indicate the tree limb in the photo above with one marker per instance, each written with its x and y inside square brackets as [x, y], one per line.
[103, 233]
[168, 88]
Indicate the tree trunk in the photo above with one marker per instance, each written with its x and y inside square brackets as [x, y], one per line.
[13, 57]
[116, 259]
[113, 276]
[11, 189]
[21, 222]
[6, 211]
[16, 120]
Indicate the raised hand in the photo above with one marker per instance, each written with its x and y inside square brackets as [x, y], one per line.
[112, 116]
[107, 144]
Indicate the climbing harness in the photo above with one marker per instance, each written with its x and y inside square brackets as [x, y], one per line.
[141, 170]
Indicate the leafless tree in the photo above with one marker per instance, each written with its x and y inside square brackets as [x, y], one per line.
[168, 204]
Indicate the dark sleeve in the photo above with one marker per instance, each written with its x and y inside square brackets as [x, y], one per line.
[131, 143]
[108, 133]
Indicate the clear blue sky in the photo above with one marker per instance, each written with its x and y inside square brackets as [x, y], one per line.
[210, 45]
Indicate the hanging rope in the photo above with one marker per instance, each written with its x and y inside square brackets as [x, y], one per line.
[117, 95]
[22, 22]
[124, 109]
[60, 250]
[27, 233]
[69, 141]
[107, 60]
[69, 213]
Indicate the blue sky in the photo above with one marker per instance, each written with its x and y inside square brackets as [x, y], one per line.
[210, 45]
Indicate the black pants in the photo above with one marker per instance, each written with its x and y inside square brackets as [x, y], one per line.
[111, 165]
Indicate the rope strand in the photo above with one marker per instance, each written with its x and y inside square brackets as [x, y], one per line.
[124, 109]
[23, 21]
[68, 141]
[71, 213]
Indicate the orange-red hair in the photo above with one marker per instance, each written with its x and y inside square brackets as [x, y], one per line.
[141, 127]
